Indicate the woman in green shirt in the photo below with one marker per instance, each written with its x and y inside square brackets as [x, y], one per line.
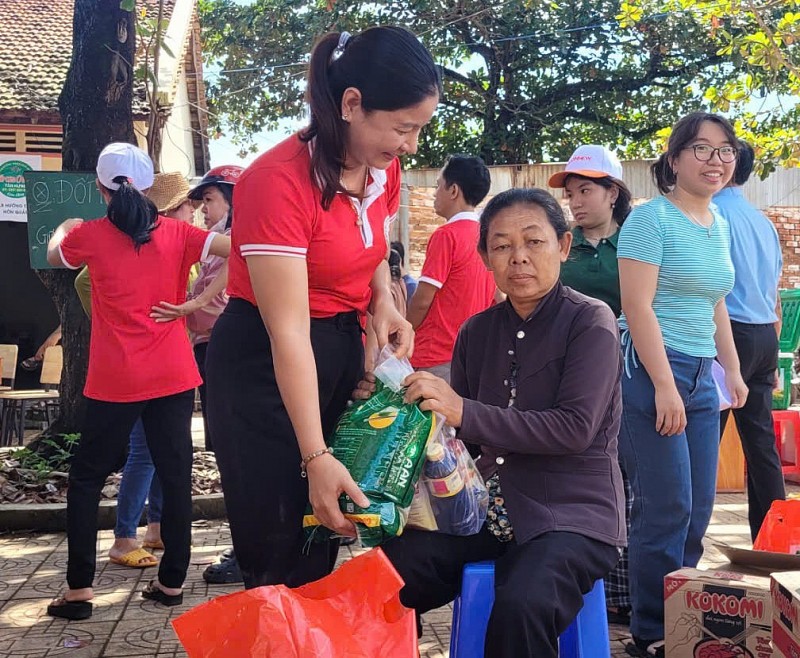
[599, 202]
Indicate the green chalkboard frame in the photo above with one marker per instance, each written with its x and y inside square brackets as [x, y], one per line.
[52, 197]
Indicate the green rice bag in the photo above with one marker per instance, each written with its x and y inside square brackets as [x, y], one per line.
[381, 441]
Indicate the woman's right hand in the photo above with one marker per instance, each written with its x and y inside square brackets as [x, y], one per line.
[670, 412]
[327, 480]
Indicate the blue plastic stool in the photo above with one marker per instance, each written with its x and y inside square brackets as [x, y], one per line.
[587, 636]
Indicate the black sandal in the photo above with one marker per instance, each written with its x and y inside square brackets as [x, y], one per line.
[645, 648]
[620, 616]
[72, 610]
[153, 593]
[225, 572]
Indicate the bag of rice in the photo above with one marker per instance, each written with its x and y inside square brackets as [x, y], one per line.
[381, 441]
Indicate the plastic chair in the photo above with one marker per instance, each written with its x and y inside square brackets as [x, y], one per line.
[786, 424]
[586, 637]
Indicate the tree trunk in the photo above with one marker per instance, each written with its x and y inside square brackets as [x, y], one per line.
[96, 109]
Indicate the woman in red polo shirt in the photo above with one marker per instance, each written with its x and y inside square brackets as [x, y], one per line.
[137, 367]
[308, 261]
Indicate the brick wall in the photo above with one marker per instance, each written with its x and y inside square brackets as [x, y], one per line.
[787, 221]
[422, 221]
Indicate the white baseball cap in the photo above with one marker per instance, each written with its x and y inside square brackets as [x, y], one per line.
[123, 159]
[591, 161]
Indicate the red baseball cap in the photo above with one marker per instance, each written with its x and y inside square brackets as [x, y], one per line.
[223, 175]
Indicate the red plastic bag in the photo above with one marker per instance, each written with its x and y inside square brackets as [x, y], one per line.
[780, 532]
[353, 613]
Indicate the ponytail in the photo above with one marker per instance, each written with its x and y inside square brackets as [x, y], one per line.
[622, 206]
[132, 212]
[662, 173]
[326, 126]
[390, 68]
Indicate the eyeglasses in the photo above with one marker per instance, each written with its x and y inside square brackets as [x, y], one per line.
[704, 152]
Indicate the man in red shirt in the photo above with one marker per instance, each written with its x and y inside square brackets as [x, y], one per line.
[455, 283]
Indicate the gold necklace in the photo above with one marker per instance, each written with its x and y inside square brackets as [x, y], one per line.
[358, 207]
[692, 217]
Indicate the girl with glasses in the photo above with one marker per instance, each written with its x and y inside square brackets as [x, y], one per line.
[675, 270]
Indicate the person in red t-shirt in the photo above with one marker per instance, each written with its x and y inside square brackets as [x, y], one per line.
[455, 283]
[137, 367]
[207, 299]
[308, 261]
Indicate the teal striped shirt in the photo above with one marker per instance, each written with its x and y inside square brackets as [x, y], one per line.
[694, 271]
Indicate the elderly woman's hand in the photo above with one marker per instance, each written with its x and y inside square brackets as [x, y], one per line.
[365, 388]
[436, 396]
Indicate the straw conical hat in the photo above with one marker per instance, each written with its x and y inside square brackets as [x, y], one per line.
[168, 191]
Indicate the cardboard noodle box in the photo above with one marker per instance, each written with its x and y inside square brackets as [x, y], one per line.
[786, 614]
[721, 613]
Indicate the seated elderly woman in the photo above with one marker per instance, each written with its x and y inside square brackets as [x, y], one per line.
[536, 386]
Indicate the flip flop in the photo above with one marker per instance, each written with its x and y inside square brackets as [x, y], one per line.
[72, 610]
[153, 545]
[136, 559]
[153, 593]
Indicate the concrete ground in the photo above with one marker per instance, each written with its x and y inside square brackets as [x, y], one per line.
[32, 568]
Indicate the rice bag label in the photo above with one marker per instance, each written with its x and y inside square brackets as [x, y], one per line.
[381, 442]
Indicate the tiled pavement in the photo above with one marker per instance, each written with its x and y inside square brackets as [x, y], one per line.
[32, 568]
[32, 572]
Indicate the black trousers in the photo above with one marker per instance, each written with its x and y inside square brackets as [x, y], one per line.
[539, 585]
[104, 439]
[200, 357]
[757, 347]
[255, 444]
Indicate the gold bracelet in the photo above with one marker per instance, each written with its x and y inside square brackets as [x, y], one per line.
[309, 458]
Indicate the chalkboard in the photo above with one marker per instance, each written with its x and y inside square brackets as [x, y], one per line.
[54, 196]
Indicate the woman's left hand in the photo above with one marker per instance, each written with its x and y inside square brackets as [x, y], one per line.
[737, 389]
[436, 395]
[391, 327]
[166, 312]
[365, 388]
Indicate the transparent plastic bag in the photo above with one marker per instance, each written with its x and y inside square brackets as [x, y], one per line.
[381, 441]
[451, 496]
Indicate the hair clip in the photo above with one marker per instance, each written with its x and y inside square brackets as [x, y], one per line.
[344, 37]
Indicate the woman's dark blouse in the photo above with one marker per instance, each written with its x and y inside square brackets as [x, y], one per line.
[556, 448]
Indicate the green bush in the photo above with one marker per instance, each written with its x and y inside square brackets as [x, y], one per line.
[59, 455]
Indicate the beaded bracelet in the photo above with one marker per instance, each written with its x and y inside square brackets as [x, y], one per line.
[308, 458]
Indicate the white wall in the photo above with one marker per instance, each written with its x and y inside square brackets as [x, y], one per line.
[177, 150]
